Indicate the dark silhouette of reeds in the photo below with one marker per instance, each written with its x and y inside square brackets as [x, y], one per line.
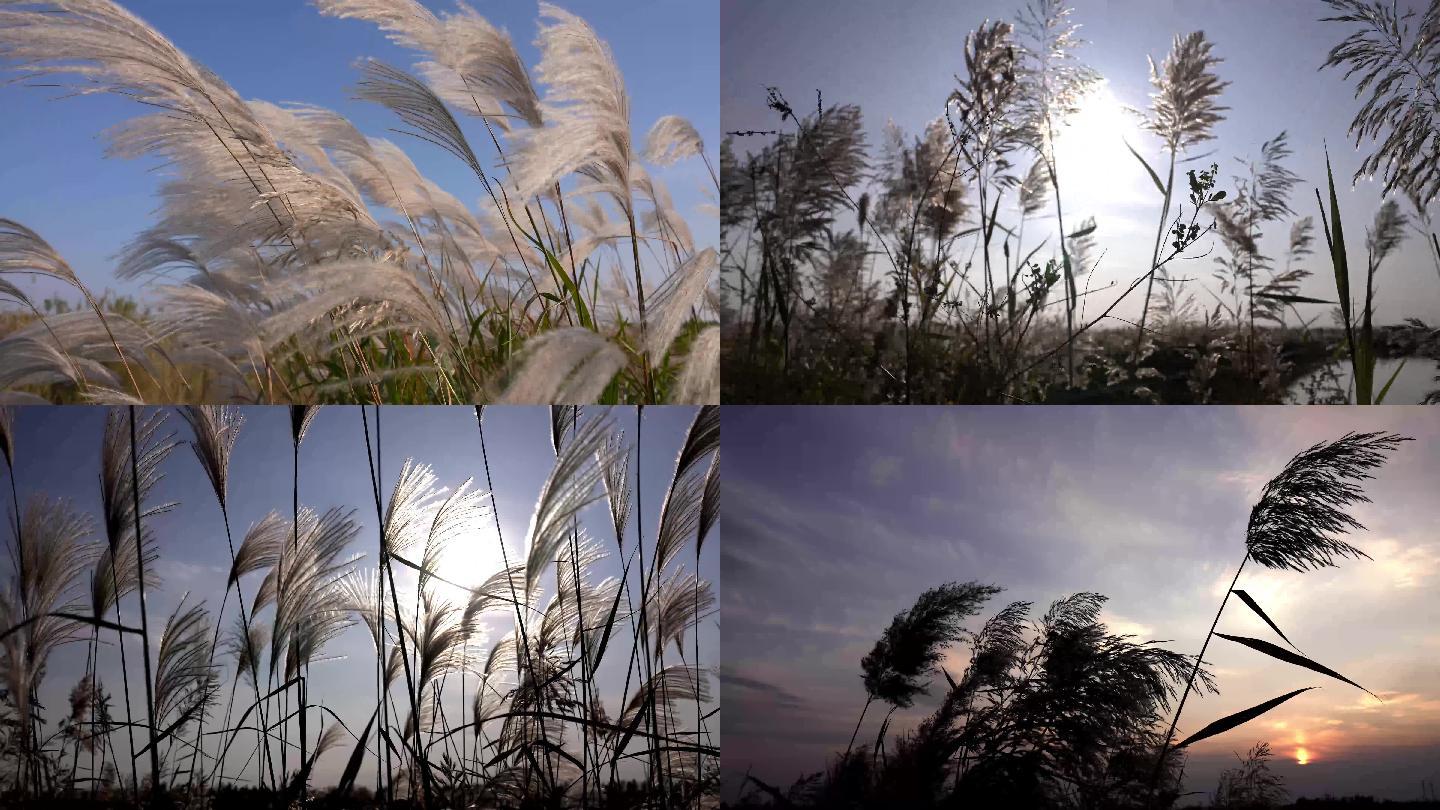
[1058, 712]
[1051, 711]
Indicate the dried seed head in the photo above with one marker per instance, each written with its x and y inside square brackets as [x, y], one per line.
[1183, 106]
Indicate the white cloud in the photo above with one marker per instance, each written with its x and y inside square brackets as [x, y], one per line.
[884, 470]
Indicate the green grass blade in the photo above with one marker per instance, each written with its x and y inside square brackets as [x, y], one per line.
[1363, 363]
[571, 289]
[1159, 186]
[1336, 233]
[1380, 399]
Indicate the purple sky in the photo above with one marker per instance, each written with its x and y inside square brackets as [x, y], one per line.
[838, 517]
[57, 449]
[898, 62]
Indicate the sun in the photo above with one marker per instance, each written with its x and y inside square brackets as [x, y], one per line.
[1302, 755]
[1091, 155]
[470, 560]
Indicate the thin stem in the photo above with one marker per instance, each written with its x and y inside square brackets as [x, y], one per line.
[144, 617]
[389, 572]
[640, 297]
[856, 732]
[1070, 291]
[124, 678]
[585, 673]
[648, 670]
[245, 626]
[200, 726]
[1194, 672]
[505, 556]
[295, 547]
[699, 721]
[1155, 257]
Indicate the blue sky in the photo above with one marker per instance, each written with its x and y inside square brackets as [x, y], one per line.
[58, 454]
[837, 519]
[898, 62]
[54, 178]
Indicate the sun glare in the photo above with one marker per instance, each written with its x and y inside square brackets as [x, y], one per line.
[1302, 755]
[469, 561]
[1091, 153]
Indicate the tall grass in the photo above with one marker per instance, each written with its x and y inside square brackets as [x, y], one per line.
[1381, 240]
[1054, 710]
[939, 215]
[299, 260]
[1296, 525]
[1060, 711]
[545, 724]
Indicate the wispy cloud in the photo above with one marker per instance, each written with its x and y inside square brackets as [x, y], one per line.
[1147, 507]
[884, 470]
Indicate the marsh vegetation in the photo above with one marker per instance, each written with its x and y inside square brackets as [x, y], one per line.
[571, 674]
[952, 265]
[297, 259]
[1060, 711]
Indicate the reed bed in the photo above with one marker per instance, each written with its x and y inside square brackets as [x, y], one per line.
[1059, 711]
[948, 266]
[297, 259]
[541, 683]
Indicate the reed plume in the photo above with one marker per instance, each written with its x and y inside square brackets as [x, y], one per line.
[1184, 110]
[284, 282]
[1398, 72]
[1183, 105]
[1297, 522]
[538, 709]
[1301, 514]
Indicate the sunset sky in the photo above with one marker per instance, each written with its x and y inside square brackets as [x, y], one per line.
[898, 63]
[838, 518]
[58, 450]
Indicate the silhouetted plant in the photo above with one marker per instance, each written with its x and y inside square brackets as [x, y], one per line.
[987, 128]
[913, 643]
[1252, 785]
[949, 326]
[1296, 525]
[911, 646]
[805, 177]
[1049, 712]
[1261, 197]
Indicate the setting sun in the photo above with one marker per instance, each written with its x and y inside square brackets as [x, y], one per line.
[1302, 756]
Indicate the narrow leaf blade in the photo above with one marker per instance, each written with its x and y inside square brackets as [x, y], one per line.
[1291, 299]
[352, 767]
[1159, 186]
[1276, 651]
[1380, 398]
[1337, 248]
[1228, 722]
[1255, 606]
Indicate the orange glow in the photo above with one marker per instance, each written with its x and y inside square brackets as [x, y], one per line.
[1302, 756]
